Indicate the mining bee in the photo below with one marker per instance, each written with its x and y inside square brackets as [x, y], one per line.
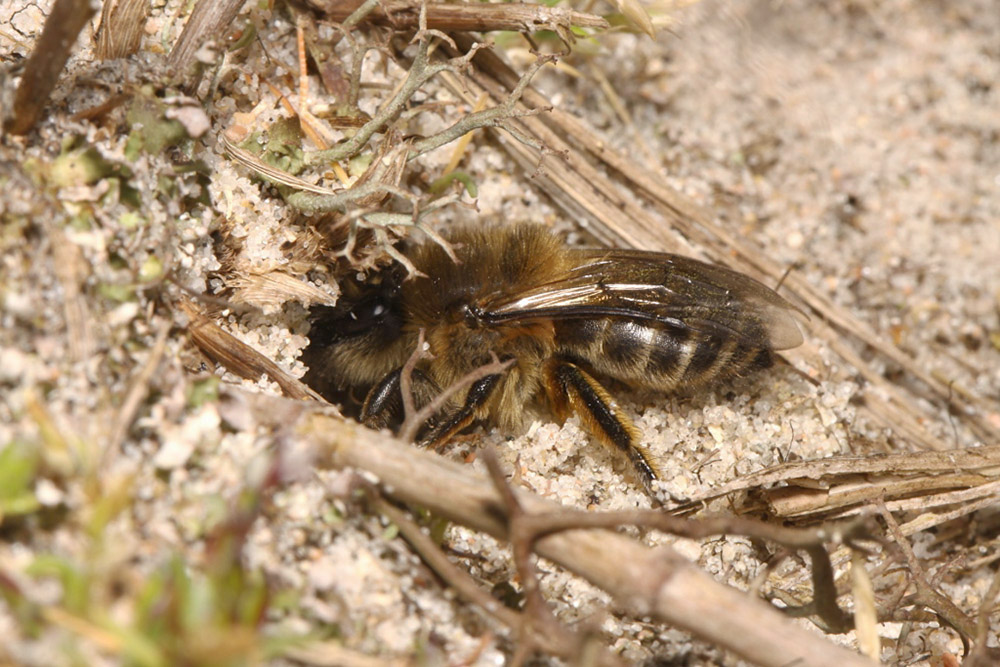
[564, 317]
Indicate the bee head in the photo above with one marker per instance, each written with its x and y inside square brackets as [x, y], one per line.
[368, 307]
[355, 342]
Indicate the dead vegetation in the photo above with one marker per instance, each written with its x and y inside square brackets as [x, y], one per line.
[156, 317]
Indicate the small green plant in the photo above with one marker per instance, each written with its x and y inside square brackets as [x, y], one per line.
[206, 612]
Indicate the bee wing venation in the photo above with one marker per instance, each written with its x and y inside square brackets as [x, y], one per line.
[648, 286]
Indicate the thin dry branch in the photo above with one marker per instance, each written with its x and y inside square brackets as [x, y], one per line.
[979, 657]
[406, 380]
[137, 391]
[648, 582]
[498, 116]
[207, 22]
[421, 70]
[462, 17]
[457, 578]
[538, 621]
[824, 606]
[66, 19]
[558, 640]
[847, 485]
[408, 431]
[926, 594]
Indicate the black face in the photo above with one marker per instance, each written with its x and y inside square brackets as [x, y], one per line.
[365, 308]
[373, 313]
[366, 320]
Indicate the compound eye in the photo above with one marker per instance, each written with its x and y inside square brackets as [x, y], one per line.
[364, 316]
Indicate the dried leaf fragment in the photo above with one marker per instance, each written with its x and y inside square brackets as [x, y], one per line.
[120, 31]
[238, 357]
[637, 16]
[269, 291]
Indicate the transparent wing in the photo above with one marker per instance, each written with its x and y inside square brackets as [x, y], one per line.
[648, 286]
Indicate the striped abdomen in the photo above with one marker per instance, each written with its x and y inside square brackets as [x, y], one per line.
[660, 356]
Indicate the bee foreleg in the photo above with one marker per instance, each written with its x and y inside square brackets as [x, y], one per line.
[572, 389]
[383, 407]
[454, 422]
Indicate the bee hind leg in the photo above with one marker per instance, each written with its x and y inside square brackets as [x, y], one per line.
[571, 389]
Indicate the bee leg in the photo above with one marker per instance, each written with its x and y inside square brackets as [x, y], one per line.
[454, 422]
[383, 407]
[572, 389]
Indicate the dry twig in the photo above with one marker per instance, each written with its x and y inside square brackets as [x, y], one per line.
[459, 17]
[824, 606]
[136, 394]
[980, 656]
[557, 640]
[408, 431]
[845, 486]
[656, 583]
[208, 20]
[538, 622]
[66, 19]
[926, 594]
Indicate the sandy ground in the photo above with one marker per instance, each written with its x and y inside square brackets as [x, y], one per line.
[857, 142]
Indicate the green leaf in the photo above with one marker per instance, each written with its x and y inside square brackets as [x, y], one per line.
[441, 184]
[75, 582]
[18, 471]
[203, 391]
[79, 167]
